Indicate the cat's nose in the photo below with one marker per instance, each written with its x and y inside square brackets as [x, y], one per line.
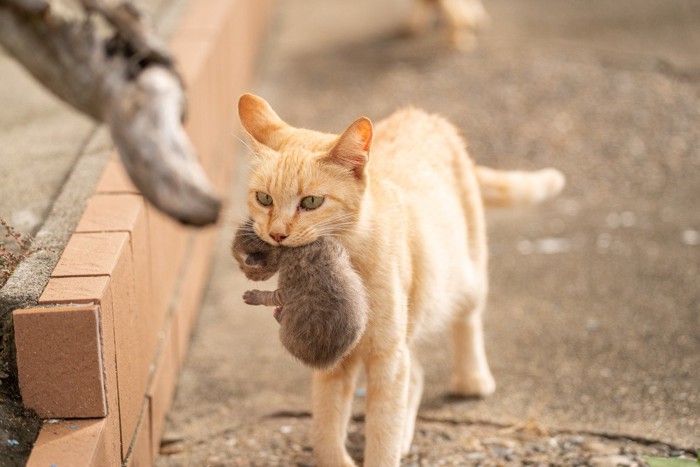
[278, 237]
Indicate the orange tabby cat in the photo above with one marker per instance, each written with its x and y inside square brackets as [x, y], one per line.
[405, 200]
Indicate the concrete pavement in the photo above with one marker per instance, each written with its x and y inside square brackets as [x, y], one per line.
[594, 314]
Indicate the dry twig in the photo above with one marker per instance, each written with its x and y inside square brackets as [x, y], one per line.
[124, 78]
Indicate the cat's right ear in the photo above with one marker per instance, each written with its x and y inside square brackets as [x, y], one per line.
[260, 121]
[352, 148]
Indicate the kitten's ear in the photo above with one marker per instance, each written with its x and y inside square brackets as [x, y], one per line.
[259, 120]
[352, 148]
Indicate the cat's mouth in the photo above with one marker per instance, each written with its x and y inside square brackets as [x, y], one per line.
[293, 241]
[278, 314]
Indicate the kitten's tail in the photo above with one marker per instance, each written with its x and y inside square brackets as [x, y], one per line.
[504, 189]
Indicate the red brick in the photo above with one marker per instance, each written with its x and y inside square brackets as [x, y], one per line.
[150, 317]
[202, 119]
[114, 178]
[202, 116]
[59, 358]
[196, 274]
[91, 254]
[125, 212]
[163, 384]
[111, 213]
[83, 290]
[168, 240]
[132, 362]
[111, 452]
[68, 443]
[96, 290]
[141, 452]
[224, 160]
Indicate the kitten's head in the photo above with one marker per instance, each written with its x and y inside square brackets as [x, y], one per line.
[303, 184]
[258, 260]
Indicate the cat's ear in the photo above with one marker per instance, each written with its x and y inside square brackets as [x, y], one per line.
[260, 121]
[352, 148]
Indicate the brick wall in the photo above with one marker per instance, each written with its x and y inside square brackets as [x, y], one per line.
[98, 358]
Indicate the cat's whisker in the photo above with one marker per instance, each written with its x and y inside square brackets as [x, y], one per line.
[337, 223]
[235, 218]
[335, 230]
[256, 153]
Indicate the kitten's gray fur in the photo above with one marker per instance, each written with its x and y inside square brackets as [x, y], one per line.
[321, 301]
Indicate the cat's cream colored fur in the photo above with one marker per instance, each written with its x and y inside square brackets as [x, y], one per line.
[404, 199]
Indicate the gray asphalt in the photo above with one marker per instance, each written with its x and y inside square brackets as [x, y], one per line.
[593, 324]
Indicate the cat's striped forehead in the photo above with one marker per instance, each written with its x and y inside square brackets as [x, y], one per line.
[292, 173]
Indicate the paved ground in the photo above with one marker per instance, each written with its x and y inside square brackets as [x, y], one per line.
[594, 318]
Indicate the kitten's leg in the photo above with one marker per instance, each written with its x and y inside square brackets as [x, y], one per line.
[261, 297]
[415, 392]
[471, 375]
[465, 17]
[331, 394]
[388, 373]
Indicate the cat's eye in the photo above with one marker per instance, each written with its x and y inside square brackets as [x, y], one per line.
[264, 198]
[311, 202]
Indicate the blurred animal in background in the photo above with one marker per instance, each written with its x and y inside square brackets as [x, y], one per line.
[463, 18]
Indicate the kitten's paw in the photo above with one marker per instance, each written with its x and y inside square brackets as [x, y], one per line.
[251, 297]
[473, 385]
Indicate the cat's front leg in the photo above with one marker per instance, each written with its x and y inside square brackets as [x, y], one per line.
[332, 393]
[415, 392]
[388, 376]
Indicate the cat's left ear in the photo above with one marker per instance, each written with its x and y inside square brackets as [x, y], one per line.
[352, 148]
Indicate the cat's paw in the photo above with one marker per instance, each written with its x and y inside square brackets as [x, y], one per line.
[473, 385]
[328, 459]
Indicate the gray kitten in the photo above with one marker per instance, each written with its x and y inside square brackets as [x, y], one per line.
[321, 302]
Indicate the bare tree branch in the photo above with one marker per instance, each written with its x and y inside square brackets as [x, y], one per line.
[133, 27]
[124, 78]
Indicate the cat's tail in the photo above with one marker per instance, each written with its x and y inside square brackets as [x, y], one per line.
[504, 189]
